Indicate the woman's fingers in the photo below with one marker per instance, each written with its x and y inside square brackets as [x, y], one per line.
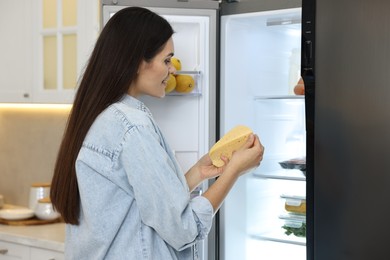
[249, 142]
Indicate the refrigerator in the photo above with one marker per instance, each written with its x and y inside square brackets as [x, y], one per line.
[345, 65]
[260, 62]
[245, 58]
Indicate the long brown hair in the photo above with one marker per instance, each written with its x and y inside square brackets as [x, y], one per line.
[133, 34]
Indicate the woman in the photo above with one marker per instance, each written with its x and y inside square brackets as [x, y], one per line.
[116, 183]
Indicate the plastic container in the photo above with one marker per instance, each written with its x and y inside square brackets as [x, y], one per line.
[294, 224]
[295, 204]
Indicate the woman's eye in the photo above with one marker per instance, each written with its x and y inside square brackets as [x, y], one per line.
[167, 61]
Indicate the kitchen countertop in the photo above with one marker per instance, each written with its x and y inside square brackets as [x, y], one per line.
[48, 236]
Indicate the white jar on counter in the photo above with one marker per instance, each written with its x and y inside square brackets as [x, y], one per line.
[38, 190]
[44, 210]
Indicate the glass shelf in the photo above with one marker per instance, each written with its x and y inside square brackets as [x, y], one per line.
[281, 237]
[278, 233]
[283, 174]
[279, 97]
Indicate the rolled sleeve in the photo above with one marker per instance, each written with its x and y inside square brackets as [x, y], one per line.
[203, 212]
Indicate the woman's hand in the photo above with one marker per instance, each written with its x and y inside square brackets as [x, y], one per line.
[244, 159]
[206, 168]
[203, 170]
[248, 157]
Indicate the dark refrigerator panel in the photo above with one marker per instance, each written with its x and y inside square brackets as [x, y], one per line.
[349, 174]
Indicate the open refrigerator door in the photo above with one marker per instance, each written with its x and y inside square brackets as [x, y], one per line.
[264, 215]
[186, 118]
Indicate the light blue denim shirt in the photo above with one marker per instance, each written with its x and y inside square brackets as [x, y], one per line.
[135, 201]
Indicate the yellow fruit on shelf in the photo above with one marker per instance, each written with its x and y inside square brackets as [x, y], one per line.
[176, 63]
[184, 83]
[171, 84]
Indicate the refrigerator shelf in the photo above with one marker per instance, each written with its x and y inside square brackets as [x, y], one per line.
[290, 174]
[297, 198]
[280, 237]
[279, 97]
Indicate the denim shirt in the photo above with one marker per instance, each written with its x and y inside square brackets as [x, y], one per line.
[135, 201]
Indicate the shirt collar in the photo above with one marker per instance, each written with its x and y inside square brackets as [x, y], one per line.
[135, 103]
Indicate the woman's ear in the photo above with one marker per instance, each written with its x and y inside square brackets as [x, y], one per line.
[141, 66]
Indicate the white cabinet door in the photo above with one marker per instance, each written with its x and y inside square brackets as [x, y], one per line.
[43, 254]
[11, 251]
[23, 54]
[16, 51]
[63, 36]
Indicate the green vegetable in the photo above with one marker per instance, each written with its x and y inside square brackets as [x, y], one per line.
[299, 232]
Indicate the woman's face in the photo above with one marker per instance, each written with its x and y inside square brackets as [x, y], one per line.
[152, 76]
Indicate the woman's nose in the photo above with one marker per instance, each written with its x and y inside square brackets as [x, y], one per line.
[172, 69]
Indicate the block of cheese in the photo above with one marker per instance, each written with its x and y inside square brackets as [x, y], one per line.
[230, 142]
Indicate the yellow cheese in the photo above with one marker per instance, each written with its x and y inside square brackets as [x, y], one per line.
[230, 142]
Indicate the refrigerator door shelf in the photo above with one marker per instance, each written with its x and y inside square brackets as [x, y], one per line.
[197, 91]
[188, 72]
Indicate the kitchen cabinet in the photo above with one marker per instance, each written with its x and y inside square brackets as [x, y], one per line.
[43, 254]
[45, 46]
[16, 51]
[13, 251]
[32, 242]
